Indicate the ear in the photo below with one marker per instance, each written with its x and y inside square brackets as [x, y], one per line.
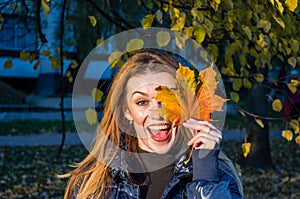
[127, 114]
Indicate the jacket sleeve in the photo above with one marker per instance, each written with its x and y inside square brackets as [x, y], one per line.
[207, 182]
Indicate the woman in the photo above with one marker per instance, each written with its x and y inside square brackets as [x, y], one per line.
[139, 155]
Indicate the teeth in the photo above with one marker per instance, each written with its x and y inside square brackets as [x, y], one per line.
[161, 127]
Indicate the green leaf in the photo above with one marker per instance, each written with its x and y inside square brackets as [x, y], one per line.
[248, 32]
[237, 84]
[247, 84]
[292, 61]
[8, 64]
[199, 34]
[234, 96]
[259, 77]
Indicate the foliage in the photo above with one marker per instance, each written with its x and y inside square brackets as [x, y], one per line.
[27, 172]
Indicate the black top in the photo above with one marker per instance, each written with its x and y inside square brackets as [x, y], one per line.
[155, 181]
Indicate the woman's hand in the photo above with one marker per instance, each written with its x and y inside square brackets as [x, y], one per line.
[205, 135]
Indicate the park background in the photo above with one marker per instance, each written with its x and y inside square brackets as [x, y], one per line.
[255, 45]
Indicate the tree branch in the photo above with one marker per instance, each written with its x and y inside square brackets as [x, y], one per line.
[61, 37]
[107, 16]
[38, 21]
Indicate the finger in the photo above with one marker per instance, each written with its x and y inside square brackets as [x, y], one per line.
[204, 142]
[203, 128]
[210, 136]
[194, 123]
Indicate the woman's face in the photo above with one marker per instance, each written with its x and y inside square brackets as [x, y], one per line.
[154, 134]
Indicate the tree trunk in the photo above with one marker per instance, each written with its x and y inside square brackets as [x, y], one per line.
[259, 156]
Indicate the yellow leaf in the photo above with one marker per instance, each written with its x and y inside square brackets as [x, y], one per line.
[36, 65]
[279, 6]
[179, 40]
[179, 23]
[99, 42]
[15, 7]
[194, 97]
[199, 34]
[165, 7]
[189, 31]
[287, 134]
[234, 96]
[295, 125]
[134, 44]
[246, 147]
[55, 62]
[46, 7]
[93, 20]
[259, 77]
[292, 87]
[8, 64]
[291, 4]
[215, 4]
[297, 139]
[272, 1]
[32, 57]
[68, 74]
[259, 122]
[1, 19]
[91, 116]
[24, 56]
[279, 21]
[163, 38]
[97, 94]
[147, 21]
[295, 82]
[277, 105]
[114, 58]
[46, 52]
[74, 64]
[171, 102]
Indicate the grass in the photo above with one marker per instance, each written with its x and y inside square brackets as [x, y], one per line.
[29, 172]
[34, 127]
[37, 126]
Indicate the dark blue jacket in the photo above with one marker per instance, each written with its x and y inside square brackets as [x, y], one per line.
[210, 174]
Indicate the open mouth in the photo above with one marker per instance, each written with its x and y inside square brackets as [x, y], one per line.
[161, 132]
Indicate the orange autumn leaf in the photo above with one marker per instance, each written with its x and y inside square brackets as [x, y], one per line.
[195, 96]
[170, 100]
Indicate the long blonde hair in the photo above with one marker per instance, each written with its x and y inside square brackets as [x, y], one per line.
[91, 177]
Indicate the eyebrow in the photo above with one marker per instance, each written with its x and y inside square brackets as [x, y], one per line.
[139, 92]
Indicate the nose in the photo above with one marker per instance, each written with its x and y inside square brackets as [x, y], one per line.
[154, 106]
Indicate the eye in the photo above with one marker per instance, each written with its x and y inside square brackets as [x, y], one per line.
[142, 102]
